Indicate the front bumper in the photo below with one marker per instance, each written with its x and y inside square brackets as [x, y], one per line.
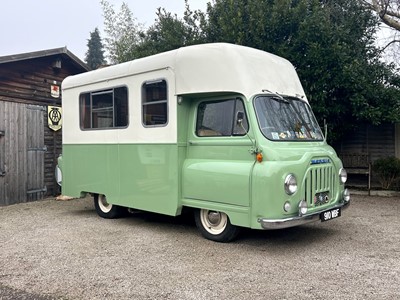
[270, 224]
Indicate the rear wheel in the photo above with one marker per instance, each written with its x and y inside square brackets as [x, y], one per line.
[215, 225]
[105, 209]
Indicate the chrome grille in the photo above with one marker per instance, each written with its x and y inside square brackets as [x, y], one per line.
[319, 181]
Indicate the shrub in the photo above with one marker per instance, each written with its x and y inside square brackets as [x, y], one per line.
[388, 170]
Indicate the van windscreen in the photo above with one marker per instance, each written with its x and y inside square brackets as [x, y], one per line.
[286, 119]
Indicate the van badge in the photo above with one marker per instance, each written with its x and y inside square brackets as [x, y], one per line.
[320, 161]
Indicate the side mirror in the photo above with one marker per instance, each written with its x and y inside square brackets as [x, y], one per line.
[239, 117]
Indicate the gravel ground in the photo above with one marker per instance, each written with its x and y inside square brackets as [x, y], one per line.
[62, 250]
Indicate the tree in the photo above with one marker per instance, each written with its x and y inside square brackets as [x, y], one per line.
[128, 40]
[170, 32]
[123, 32]
[95, 53]
[387, 10]
[331, 44]
[389, 13]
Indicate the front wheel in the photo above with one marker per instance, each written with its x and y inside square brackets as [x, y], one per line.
[105, 209]
[215, 225]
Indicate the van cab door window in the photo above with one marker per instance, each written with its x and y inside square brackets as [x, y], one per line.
[219, 118]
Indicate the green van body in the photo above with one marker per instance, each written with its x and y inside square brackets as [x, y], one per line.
[169, 167]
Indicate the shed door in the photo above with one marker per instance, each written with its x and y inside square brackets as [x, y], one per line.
[36, 149]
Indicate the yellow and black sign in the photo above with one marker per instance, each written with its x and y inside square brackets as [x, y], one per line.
[54, 117]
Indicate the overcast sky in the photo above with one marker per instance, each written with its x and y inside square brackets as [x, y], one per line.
[33, 25]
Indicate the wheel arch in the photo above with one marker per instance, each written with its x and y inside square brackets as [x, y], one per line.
[238, 216]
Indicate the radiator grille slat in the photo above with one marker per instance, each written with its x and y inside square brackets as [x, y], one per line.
[319, 179]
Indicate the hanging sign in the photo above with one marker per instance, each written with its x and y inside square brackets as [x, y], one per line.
[55, 91]
[54, 117]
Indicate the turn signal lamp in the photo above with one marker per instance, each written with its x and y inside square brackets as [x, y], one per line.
[259, 157]
[287, 206]
[303, 207]
[346, 195]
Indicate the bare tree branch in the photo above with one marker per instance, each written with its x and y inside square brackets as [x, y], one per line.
[389, 13]
[388, 44]
[387, 10]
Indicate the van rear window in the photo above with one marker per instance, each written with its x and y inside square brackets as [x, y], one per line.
[155, 103]
[104, 109]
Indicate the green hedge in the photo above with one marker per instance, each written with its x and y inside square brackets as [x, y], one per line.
[388, 171]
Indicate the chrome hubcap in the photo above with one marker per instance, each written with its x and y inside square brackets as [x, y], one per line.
[214, 218]
[214, 222]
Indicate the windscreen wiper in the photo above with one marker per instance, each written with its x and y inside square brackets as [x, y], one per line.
[280, 99]
[276, 96]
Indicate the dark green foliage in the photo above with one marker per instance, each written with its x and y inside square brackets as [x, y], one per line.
[95, 53]
[388, 170]
[170, 32]
[331, 44]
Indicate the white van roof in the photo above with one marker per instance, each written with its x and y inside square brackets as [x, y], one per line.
[205, 68]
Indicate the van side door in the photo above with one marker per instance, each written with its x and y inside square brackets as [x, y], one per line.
[218, 164]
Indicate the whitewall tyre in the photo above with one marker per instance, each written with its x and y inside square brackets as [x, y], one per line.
[215, 225]
[105, 209]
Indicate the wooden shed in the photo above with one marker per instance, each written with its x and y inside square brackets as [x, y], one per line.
[30, 85]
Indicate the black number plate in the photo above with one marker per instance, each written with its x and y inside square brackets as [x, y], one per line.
[330, 214]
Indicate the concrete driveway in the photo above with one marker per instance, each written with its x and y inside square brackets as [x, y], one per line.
[63, 250]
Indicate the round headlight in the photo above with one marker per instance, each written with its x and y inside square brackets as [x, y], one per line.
[303, 207]
[290, 184]
[342, 175]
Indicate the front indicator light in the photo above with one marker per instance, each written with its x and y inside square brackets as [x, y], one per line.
[290, 184]
[303, 208]
[346, 195]
[287, 206]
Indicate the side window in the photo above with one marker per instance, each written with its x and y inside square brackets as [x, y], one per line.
[104, 109]
[219, 118]
[155, 103]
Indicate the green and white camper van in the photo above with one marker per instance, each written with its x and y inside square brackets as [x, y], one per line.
[220, 129]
